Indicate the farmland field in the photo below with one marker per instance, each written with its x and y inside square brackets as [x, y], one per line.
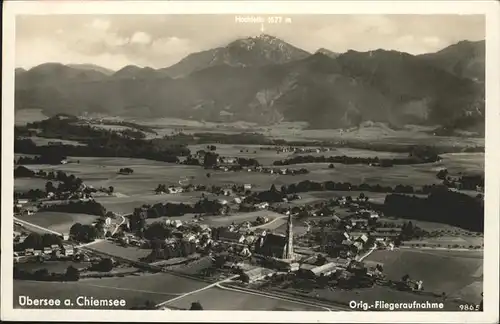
[58, 222]
[40, 141]
[136, 290]
[127, 204]
[440, 271]
[235, 300]
[129, 253]
[148, 174]
[25, 184]
[239, 218]
[463, 162]
[24, 116]
[378, 293]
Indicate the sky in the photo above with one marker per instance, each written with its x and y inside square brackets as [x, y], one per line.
[114, 41]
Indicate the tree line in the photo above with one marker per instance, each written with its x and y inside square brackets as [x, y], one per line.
[71, 274]
[109, 147]
[203, 206]
[53, 159]
[38, 241]
[86, 233]
[440, 206]
[81, 207]
[275, 195]
[416, 157]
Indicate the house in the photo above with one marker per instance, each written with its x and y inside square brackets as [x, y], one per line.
[54, 247]
[174, 190]
[37, 252]
[204, 228]
[237, 200]
[247, 186]
[68, 250]
[250, 239]
[29, 251]
[190, 237]
[245, 252]
[107, 221]
[311, 271]
[222, 201]
[21, 201]
[358, 246]
[47, 250]
[262, 205]
[176, 223]
[359, 236]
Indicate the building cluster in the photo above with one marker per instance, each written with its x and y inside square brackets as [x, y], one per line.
[53, 252]
[295, 150]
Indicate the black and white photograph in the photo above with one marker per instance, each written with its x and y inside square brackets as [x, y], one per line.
[267, 160]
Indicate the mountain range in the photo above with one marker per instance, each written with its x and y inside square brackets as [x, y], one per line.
[264, 79]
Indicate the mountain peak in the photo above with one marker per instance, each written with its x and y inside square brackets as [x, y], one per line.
[255, 51]
[327, 52]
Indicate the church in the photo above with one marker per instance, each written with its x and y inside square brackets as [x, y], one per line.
[276, 245]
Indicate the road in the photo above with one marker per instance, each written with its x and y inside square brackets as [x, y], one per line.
[287, 299]
[368, 253]
[196, 291]
[121, 223]
[267, 224]
[37, 226]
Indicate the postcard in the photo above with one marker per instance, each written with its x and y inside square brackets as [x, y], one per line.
[215, 161]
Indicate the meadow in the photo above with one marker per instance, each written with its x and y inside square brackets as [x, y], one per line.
[130, 252]
[440, 270]
[25, 184]
[25, 116]
[58, 222]
[136, 290]
[241, 301]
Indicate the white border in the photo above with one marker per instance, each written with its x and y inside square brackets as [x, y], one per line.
[492, 193]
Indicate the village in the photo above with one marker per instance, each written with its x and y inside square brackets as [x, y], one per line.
[332, 239]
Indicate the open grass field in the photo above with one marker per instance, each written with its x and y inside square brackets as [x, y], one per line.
[58, 222]
[463, 162]
[52, 266]
[148, 174]
[440, 270]
[40, 141]
[239, 218]
[136, 290]
[129, 253]
[125, 205]
[379, 293]
[25, 116]
[25, 184]
[463, 241]
[235, 300]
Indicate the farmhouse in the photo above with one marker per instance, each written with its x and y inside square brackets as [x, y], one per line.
[312, 271]
[359, 236]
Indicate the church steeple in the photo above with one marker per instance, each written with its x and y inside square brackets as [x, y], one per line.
[289, 255]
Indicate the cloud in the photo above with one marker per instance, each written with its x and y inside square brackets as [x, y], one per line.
[100, 24]
[161, 40]
[141, 38]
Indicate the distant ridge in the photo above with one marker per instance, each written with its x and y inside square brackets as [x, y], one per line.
[265, 80]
